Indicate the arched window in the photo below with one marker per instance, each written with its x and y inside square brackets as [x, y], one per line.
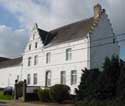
[63, 77]
[73, 77]
[48, 78]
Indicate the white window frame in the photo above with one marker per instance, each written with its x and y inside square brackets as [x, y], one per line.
[73, 77]
[48, 78]
[68, 54]
[63, 77]
[48, 57]
[29, 61]
[35, 78]
[36, 45]
[28, 79]
[35, 59]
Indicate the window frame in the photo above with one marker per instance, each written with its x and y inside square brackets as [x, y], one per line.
[29, 61]
[28, 79]
[73, 77]
[36, 45]
[48, 57]
[35, 78]
[35, 59]
[63, 77]
[68, 54]
[48, 78]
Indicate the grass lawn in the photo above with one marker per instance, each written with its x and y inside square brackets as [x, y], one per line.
[5, 97]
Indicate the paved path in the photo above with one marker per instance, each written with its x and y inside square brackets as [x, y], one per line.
[16, 103]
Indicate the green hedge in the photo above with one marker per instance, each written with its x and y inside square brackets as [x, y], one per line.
[56, 93]
[59, 93]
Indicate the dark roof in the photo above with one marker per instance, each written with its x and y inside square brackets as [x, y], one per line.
[3, 59]
[45, 36]
[11, 62]
[66, 33]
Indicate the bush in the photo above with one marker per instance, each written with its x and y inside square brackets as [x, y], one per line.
[43, 95]
[119, 101]
[59, 93]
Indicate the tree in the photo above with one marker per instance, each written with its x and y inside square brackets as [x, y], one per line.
[88, 84]
[121, 82]
[108, 79]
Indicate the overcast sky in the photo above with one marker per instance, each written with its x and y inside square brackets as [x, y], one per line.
[18, 16]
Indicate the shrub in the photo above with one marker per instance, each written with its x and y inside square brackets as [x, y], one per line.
[59, 93]
[43, 95]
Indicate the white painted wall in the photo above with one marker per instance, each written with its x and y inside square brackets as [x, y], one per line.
[8, 75]
[58, 63]
[102, 42]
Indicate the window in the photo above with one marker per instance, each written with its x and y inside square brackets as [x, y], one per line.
[73, 77]
[36, 60]
[36, 44]
[68, 54]
[48, 56]
[29, 61]
[28, 79]
[63, 77]
[48, 78]
[35, 79]
[29, 46]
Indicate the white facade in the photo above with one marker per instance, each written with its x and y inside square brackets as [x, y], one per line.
[9, 73]
[43, 65]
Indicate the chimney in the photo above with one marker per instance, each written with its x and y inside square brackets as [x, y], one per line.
[97, 11]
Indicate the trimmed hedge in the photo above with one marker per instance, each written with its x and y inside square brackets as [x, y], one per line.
[57, 93]
[43, 95]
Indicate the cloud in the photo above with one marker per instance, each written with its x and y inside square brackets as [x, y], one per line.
[12, 42]
[50, 14]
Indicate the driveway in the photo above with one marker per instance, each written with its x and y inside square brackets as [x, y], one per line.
[17, 103]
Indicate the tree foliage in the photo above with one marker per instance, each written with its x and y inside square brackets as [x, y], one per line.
[105, 84]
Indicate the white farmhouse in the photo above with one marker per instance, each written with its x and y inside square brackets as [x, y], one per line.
[58, 56]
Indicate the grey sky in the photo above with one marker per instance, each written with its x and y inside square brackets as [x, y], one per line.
[50, 14]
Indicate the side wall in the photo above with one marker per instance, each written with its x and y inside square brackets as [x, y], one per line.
[8, 75]
[102, 42]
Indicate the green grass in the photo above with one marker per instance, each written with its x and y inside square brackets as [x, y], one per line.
[5, 97]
